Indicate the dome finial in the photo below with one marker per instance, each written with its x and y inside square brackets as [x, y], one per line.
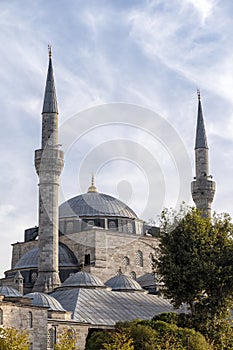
[198, 95]
[92, 188]
[119, 272]
[50, 51]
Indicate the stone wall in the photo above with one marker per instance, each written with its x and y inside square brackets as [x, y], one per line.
[18, 315]
[130, 253]
[109, 250]
[82, 331]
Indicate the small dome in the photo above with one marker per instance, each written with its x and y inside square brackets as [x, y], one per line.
[146, 280]
[9, 292]
[124, 283]
[42, 299]
[82, 279]
[95, 204]
[30, 258]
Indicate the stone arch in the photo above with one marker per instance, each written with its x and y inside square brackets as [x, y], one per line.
[133, 275]
[30, 320]
[1, 316]
[139, 258]
[125, 261]
[51, 338]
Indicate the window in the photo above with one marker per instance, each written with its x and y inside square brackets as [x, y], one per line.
[1, 316]
[125, 261]
[33, 277]
[133, 275]
[30, 320]
[112, 225]
[87, 259]
[51, 338]
[139, 258]
[130, 227]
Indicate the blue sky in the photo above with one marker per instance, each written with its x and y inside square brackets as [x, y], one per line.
[150, 54]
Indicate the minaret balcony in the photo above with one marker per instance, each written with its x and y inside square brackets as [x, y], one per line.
[203, 188]
[49, 159]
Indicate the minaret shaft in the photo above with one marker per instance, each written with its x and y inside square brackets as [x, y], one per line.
[49, 163]
[202, 162]
[203, 188]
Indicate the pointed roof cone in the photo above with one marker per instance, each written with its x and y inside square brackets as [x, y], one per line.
[50, 99]
[201, 140]
[18, 275]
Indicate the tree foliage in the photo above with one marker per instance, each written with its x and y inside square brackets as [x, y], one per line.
[13, 339]
[170, 336]
[119, 340]
[67, 340]
[144, 337]
[194, 261]
[148, 335]
[96, 339]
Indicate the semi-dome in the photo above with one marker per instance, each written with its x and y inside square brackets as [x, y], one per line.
[95, 204]
[42, 299]
[82, 279]
[9, 292]
[124, 283]
[30, 258]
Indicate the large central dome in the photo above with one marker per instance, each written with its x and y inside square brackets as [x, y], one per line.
[95, 204]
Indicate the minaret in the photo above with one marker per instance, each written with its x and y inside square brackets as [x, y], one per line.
[49, 163]
[203, 188]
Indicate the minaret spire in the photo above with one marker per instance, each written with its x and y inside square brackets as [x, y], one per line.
[50, 98]
[49, 163]
[201, 139]
[203, 188]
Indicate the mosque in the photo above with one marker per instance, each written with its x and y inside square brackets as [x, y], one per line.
[88, 263]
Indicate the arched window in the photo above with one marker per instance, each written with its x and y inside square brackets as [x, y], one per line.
[139, 258]
[112, 225]
[125, 261]
[133, 275]
[1, 316]
[30, 320]
[130, 227]
[51, 338]
[33, 277]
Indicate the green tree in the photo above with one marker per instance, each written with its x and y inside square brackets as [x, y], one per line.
[96, 339]
[194, 261]
[143, 336]
[13, 339]
[67, 340]
[193, 340]
[148, 335]
[119, 341]
[172, 337]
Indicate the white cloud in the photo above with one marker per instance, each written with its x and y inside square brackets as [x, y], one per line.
[151, 53]
[204, 7]
[6, 210]
[181, 41]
